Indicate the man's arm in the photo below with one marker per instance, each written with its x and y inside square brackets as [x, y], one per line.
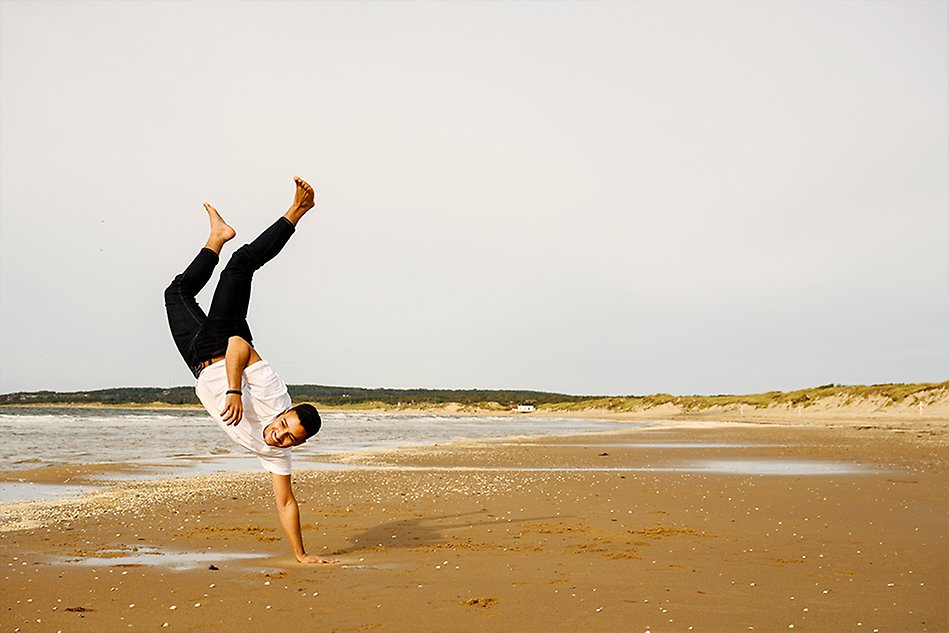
[239, 355]
[289, 513]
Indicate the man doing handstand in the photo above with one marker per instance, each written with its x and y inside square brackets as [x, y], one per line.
[239, 389]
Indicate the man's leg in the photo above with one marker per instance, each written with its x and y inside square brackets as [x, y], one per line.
[185, 316]
[228, 313]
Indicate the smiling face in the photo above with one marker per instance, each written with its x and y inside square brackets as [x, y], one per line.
[285, 431]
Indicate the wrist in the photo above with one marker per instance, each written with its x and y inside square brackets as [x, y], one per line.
[234, 392]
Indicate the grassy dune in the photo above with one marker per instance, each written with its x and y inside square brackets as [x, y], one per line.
[877, 397]
[834, 400]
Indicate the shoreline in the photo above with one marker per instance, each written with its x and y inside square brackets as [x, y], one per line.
[106, 489]
[97, 475]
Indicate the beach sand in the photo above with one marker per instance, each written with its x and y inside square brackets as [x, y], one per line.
[677, 527]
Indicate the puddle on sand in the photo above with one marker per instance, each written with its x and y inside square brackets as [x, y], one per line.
[669, 444]
[364, 566]
[764, 467]
[152, 556]
[710, 466]
[16, 491]
[774, 467]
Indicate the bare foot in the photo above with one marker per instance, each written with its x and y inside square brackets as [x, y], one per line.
[303, 201]
[221, 231]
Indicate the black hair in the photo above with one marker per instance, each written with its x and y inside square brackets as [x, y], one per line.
[309, 417]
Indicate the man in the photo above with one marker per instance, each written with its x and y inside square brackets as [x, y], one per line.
[237, 387]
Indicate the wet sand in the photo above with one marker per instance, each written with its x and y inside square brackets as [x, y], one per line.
[701, 527]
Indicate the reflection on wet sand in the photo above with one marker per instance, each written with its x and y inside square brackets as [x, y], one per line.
[153, 556]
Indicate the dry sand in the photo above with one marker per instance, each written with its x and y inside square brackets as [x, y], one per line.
[557, 534]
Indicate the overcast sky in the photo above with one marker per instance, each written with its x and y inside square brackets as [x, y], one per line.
[593, 198]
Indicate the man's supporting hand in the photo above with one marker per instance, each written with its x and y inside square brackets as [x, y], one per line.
[289, 512]
[233, 409]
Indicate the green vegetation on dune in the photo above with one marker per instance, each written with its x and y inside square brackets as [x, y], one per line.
[362, 398]
[887, 393]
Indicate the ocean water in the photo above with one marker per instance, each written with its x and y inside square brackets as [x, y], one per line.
[37, 437]
[165, 443]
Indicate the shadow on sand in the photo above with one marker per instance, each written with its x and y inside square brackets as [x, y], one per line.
[421, 531]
